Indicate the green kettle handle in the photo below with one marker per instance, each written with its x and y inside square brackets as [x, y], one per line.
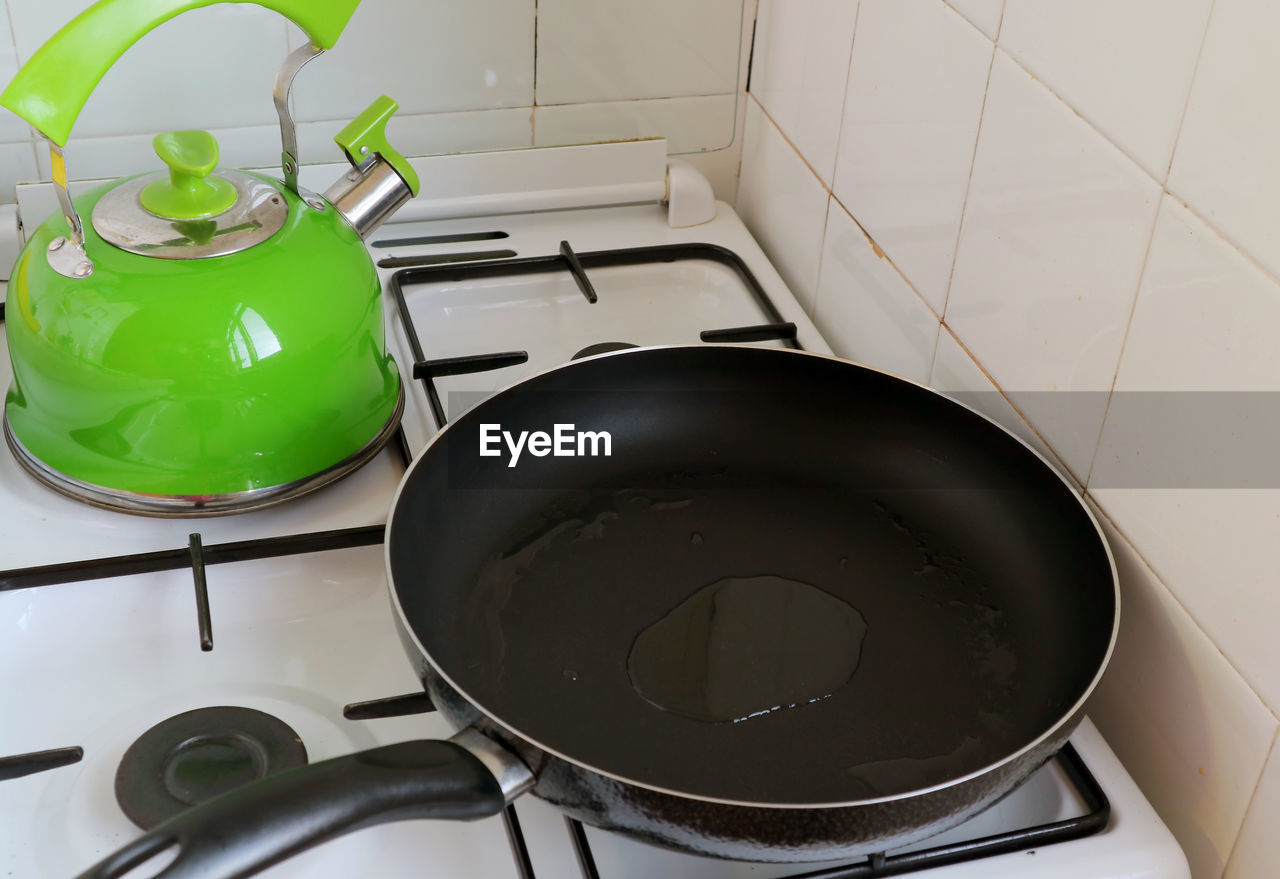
[51, 89]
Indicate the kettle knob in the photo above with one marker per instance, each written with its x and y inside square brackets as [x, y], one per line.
[189, 193]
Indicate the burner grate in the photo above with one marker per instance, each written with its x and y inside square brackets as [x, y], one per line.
[578, 264]
[883, 865]
[21, 765]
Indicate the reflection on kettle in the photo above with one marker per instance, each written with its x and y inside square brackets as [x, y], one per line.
[250, 339]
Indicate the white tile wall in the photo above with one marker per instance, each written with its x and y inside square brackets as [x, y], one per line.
[17, 165]
[1189, 729]
[985, 14]
[798, 72]
[388, 47]
[866, 310]
[783, 204]
[1054, 236]
[166, 80]
[259, 146]
[691, 125]
[464, 75]
[958, 375]
[1204, 323]
[1125, 65]
[1224, 165]
[915, 93]
[1255, 851]
[1088, 108]
[608, 50]
[11, 127]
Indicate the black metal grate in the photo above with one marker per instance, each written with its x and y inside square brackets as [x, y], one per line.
[882, 865]
[20, 765]
[577, 264]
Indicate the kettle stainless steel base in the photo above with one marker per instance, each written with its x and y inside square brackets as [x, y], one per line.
[193, 506]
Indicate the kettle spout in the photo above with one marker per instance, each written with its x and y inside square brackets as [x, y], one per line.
[380, 179]
[368, 195]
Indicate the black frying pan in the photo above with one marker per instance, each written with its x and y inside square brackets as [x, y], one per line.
[804, 610]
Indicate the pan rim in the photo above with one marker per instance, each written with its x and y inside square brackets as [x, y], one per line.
[1067, 716]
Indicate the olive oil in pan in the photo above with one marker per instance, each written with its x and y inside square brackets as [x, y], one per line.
[674, 635]
[744, 647]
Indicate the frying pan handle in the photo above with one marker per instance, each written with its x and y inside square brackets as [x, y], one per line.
[251, 828]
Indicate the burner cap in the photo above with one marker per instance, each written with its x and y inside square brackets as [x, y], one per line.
[195, 756]
[602, 348]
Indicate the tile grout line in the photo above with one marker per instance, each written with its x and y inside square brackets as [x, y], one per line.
[844, 95]
[826, 214]
[880, 252]
[1012, 405]
[794, 148]
[558, 104]
[533, 102]
[973, 163]
[1253, 795]
[1186, 106]
[833, 198]
[822, 254]
[1074, 111]
[13, 33]
[1124, 339]
[738, 102]
[933, 357]
[1237, 247]
[1178, 601]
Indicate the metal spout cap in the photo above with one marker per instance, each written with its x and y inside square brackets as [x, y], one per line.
[368, 195]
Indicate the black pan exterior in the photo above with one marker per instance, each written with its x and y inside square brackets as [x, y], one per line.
[730, 413]
[743, 833]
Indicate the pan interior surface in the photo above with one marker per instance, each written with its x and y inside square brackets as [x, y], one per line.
[792, 581]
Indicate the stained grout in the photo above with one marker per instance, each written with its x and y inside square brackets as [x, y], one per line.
[1012, 405]
[834, 198]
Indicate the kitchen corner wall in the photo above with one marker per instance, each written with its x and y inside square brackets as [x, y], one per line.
[469, 76]
[1058, 209]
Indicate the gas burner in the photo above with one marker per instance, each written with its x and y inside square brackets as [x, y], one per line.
[602, 348]
[197, 755]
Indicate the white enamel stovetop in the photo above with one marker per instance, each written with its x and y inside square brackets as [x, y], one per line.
[96, 663]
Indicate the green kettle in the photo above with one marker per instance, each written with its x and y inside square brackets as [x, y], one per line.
[199, 341]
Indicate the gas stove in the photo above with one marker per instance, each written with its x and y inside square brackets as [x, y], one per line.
[112, 625]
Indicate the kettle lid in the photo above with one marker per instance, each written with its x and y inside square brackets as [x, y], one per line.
[190, 211]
